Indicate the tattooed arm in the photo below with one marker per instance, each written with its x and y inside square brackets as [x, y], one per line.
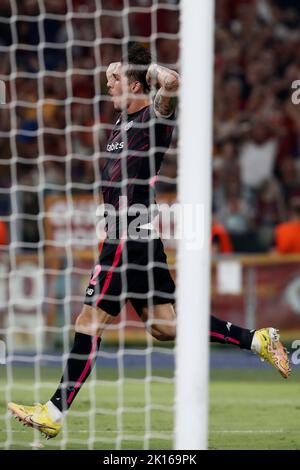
[165, 100]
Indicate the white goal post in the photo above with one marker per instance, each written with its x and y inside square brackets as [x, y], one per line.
[193, 280]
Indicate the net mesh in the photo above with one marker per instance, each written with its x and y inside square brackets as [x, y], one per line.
[53, 136]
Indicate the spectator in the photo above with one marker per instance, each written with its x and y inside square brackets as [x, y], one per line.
[270, 211]
[258, 155]
[289, 177]
[221, 242]
[287, 234]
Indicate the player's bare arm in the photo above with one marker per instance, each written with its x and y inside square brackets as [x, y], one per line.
[165, 100]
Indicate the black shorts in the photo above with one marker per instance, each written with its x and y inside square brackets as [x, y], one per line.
[130, 270]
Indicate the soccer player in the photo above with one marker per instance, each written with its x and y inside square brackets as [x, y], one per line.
[128, 268]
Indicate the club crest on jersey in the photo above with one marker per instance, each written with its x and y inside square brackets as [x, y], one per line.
[128, 126]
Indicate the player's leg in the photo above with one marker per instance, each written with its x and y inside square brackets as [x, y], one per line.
[264, 342]
[47, 418]
[225, 332]
[89, 326]
[160, 321]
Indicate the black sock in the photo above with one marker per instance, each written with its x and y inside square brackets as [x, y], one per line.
[79, 365]
[225, 332]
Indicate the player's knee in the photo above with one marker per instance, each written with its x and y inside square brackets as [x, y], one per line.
[87, 322]
[81, 320]
[164, 333]
[83, 323]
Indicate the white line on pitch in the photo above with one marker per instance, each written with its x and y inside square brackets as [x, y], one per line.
[251, 431]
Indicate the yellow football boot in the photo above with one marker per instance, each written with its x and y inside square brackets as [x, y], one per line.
[37, 417]
[270, 349]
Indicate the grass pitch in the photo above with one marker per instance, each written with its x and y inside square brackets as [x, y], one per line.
[249, 409]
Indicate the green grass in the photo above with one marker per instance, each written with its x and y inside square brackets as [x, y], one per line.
[254, 409]
[249, 409]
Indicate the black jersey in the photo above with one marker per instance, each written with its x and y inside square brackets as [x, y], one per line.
[135, 151]
[136, 148]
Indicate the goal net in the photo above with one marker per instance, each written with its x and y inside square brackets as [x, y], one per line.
[53, 136]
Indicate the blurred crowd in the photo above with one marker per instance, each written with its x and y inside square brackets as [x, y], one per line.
[256, 165]
[60, 109]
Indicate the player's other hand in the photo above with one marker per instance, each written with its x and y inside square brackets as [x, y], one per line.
[151, 76]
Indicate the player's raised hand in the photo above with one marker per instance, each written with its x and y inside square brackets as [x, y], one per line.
[113, 69]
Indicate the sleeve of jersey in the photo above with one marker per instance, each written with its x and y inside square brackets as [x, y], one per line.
[164, 127]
